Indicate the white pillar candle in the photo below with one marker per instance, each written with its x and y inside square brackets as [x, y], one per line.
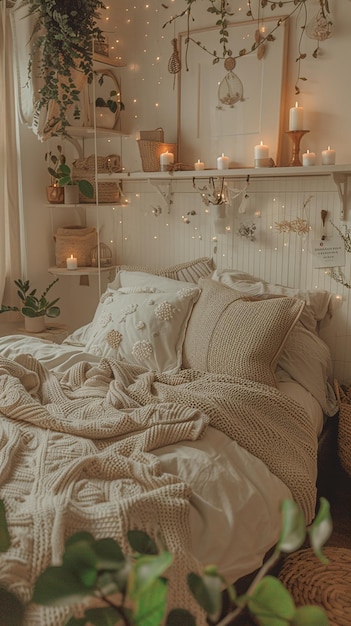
[296, 118]
[222, 162]
[308, 158]
[328, 157]
[72, 263]
[199, 165]
[166, 159]
[261, 151]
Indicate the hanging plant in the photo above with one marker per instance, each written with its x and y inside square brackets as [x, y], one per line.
[61, 54]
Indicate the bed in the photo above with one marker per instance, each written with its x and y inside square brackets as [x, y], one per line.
[191, 405]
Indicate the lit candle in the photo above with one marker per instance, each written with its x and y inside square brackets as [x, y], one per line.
[222, 162]
[308, 158]
[166, 159]
[261, 151]
[199, 165]
[72, 263]
[296, 118]
[328, 157]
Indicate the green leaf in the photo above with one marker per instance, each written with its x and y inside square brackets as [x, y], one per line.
[151, 604]
[321, 529]
[57, 586]
[86, 188]
[53, 311]
[140, 542]
[5, 540]
[146, 570]
[180, 616]
[109, 554]
[293, 531]
[207, 592]
[80, 559]
[271, 603]
[310, 616]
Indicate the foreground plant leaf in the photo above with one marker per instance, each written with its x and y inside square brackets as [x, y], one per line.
[180, 616]
[4, 533]
[146, 570]
[321, 529]
[57, 586]
[271, 603]
[293, 531]
[206, 590]
[310, 616]
[151, 604]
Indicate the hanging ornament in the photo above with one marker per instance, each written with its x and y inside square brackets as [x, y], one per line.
[174, 63]
[230, 90]
[321, 26]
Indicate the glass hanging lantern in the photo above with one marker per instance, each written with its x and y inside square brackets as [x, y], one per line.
[105, 254]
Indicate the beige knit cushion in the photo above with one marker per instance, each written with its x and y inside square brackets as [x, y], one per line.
[189, 271]
[232, 334]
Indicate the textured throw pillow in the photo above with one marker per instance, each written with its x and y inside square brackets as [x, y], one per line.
[144, 325]
[189, 271]
[319, 303]
[229, 333]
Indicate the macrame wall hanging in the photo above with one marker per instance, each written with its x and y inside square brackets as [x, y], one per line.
[174, 63]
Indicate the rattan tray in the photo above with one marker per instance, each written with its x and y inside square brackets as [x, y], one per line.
[311, 582]
[343, 395]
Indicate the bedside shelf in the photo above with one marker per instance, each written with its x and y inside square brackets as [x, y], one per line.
[80, 271]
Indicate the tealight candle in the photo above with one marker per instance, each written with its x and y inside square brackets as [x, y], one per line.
[166, 159]
[308, 158]
[72, 263]
[199, 165]
[222, 162]
[296, 118]
[328, 157]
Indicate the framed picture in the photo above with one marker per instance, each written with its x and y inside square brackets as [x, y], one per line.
[229, 112]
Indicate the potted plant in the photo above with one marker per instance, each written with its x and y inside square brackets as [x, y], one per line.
[61, 177]
[34, 308]
[107, 111]
[55, 193]
[63, 40]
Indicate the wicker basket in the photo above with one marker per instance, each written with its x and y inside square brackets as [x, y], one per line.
[85, 168]
[343, 395]
[76, 240]
[329, 586]
[150, 152]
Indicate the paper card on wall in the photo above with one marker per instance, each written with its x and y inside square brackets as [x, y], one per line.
[328, 252]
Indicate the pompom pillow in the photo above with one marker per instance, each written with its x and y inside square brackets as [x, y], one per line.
[229, 333]
[143, 324]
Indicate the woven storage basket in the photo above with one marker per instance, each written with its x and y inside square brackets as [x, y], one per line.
[344, 429]
[150, 152]
[311, 582]
[76, 240]
[85, 168]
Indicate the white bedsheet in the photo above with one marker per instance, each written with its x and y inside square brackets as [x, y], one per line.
[235, 504]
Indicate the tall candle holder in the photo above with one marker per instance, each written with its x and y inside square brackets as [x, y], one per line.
[296, 136]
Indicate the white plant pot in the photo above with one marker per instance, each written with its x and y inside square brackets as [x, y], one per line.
[71, 194]
[105, 118]
[34, 324]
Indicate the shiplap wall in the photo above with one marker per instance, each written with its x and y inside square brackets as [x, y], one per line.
[147, 231]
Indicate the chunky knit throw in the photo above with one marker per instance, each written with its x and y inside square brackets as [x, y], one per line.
[76, 455]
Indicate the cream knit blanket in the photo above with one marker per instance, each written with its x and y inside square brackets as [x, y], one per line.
[75, 455]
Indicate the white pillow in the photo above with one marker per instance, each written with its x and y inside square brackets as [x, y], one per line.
[189, 271]
[143, 324]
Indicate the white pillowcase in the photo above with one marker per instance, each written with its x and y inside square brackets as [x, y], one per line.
[142, 322]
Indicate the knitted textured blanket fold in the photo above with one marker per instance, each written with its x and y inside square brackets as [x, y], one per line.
[75, 455]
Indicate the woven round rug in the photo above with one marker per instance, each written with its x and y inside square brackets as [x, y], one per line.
[311, 582]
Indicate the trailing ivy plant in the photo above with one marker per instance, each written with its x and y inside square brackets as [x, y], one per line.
[131, 589]
[62, 44]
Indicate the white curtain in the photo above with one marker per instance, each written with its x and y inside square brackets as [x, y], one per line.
[11, 238]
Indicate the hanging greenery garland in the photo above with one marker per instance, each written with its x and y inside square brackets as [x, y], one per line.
[319, 28]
